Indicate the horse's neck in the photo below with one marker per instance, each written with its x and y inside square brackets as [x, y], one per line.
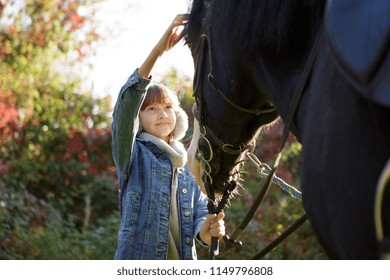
[284, 70]
[287, 77]
[282, 82]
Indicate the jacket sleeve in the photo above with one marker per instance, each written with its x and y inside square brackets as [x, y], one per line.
[201, 213]
[126, 122]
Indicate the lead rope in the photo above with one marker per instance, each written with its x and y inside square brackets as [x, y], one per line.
[264, 171]
[231, 242]
[216, 208]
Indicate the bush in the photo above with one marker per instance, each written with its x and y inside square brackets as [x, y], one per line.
[33, 229]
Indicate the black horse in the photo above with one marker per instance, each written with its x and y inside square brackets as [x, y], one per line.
[252, 54]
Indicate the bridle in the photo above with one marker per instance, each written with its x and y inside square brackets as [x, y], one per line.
[207, 135]
[232, 149]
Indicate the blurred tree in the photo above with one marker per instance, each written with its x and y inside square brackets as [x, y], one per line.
[55, 137]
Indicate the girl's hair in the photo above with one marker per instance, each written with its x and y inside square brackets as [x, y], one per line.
[158, 93]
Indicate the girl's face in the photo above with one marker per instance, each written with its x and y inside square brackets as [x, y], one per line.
[158, 119]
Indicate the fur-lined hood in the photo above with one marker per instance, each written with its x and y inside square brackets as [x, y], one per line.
[181, 124]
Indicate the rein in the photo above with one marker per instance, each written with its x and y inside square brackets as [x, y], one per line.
[213, 206]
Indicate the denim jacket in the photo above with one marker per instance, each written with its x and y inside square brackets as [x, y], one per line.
[145, 176]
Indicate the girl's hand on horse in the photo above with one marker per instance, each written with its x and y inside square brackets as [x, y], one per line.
[213, 226]
[173, 34]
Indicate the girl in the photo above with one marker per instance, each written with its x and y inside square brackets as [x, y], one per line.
[162, 208]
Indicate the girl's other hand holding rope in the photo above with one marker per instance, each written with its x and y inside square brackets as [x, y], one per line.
[213, 226]
[173, 34]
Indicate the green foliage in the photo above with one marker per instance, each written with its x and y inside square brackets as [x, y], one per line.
[58, 187]
[31, 228]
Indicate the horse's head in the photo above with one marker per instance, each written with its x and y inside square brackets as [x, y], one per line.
[230, 104]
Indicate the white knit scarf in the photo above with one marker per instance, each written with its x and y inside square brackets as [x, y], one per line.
[175, 149]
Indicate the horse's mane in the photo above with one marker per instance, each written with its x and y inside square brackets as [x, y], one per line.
[274, 27]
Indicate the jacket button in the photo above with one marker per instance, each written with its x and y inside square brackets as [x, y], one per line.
[184, 190]
[187, 213]
[188, 240]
